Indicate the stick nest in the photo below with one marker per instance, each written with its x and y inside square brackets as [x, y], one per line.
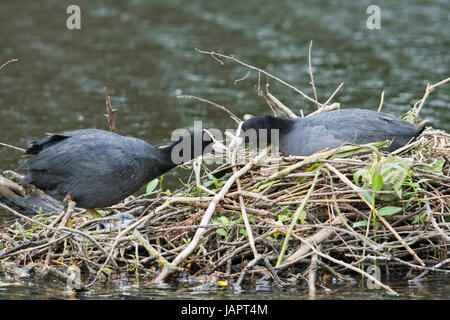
[336, 220]
[335, 212]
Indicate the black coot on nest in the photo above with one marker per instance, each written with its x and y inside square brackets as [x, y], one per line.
[305, 136]
[98, 168]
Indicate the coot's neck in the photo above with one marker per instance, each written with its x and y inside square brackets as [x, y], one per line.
[167, 158]
[183, 150]
[155, 162]
[166, 153]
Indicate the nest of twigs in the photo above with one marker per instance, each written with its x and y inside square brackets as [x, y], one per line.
[335, 212]
[334, 223]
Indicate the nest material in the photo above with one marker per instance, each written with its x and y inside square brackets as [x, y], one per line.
[335, 224]
[284, 216]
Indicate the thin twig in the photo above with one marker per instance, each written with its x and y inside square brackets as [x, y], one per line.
[428, 90]
[392, 230]
[232, 115]
[295, 218]
[241, 199]
[423, 274]
[249, 265]
[349, 266]
[311, 76]
[435, 225]
[110, 114]
[281, 105]
[333, 94]
[8, 62]
[207, 216]
[215, 55]
[312, 272]
[381, 101]
[12, 147]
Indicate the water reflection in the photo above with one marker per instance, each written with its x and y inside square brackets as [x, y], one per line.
[435, 287]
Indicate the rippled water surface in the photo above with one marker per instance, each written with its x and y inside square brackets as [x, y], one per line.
[435, 287]
[143, 52]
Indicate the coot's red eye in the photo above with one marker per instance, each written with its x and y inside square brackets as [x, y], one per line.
[245, 129]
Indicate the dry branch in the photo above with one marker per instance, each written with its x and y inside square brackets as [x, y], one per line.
[110, 114]
[8, 62]
[207, 216]
[216, 55]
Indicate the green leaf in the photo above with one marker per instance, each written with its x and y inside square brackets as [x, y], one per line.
[224, 220]
[282, 218]
[394, 165]
[265, 185]
[347, 150]
[314, 167]
[302, 217]
[422, 181]
[436, 166]
[300, 179]
[358, 174]
[393, 172]
[184, 184]
[151, 186]
[360, 224]
[107, 270]
[377, 179]
[243, 231]
[419, 218]
[207, 183]
[222, 232]
[213, 179]
[367, 196]
[387, 211]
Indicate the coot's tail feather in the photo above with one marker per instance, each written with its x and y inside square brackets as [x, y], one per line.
[34, 147]
[422, 128]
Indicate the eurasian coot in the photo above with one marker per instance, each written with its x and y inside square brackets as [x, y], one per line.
[305, 136]
[98, 168]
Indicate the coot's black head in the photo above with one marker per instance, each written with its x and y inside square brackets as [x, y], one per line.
[190, 146]
[262, 122]
[263, 129]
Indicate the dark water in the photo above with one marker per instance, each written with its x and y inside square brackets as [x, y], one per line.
[435, 287]
[143, 52]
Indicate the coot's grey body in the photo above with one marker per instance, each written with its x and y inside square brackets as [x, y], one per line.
[96, 168]
[305, 136]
